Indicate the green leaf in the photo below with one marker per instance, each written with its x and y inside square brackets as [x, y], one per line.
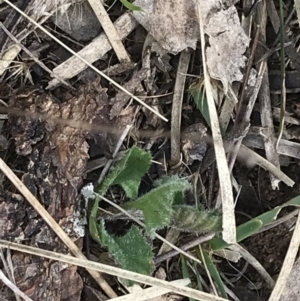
[251, 227]
[93, 227]
[213, 271]
[156, 205]
[128, 173]
[185, 271]
[179, 196]
[130, 6]
[131, 251]
[191, 219]
[198, 93]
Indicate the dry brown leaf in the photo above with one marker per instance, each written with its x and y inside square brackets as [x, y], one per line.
[174, 25]
[134, 85]
[227, 43]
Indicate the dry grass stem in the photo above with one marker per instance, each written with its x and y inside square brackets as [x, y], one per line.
[115, 153]
[254, 158]
[177, 105]
[255, 263]
[286, 147]
[53, 225]
[34, 57]
[91, 265]
[94, 50]
[13, 287]
[110, 31]
[287, 264]
[86, 62]
[151, 292]
[229, 225]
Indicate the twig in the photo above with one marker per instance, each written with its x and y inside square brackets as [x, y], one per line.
[86, 62]
[245, 106]
[52, 223]
[110, 31]
[287, 264]
[185, 247]
[101, 162]
[177, 106]
[185, 291]
[252, 8]
[34, 57]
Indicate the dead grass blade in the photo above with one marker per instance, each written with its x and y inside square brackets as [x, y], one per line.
[287, 264]
[177, 105]
[13, 287]
[86, 62]
[34, 57]
[297, 6]
[229, 225]
[8, 57]
[151, 292]
[282, 63]
[53, 225]
[94, 50]
[91, 265]
[255, 263]
[265, 105]
[110, 31]
[254, 158]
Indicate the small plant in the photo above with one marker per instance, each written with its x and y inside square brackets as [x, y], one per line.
[162, 207]
[130, 6]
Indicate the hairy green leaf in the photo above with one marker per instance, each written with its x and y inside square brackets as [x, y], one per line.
[179, 195]
[156, 205]
[191, 219]
[128, 173]
[131, 251]
[130, 6]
